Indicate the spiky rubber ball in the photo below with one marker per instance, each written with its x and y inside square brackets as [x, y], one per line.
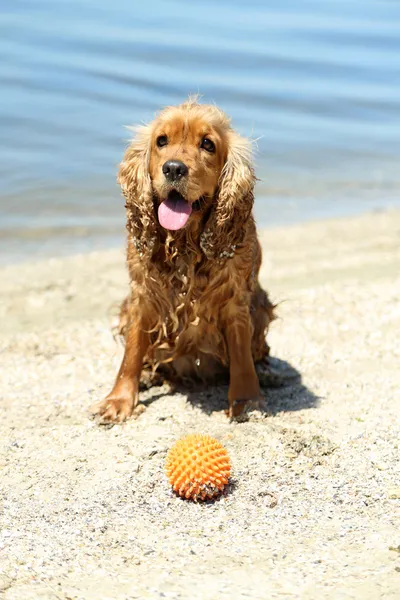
[198, 467]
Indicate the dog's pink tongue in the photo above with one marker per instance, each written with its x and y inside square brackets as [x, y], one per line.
[174, 212]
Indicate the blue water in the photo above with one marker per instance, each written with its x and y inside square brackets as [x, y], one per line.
[317, 83]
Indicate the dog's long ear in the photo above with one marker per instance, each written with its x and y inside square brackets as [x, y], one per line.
[134, 178]
[226, 226]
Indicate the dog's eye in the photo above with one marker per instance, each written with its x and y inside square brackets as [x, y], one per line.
[162, 140]
[208, 145]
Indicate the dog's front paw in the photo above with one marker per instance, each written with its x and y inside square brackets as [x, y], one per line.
[115, 410]
[239, 409]
[244, 395]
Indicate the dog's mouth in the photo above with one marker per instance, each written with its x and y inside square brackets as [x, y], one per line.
[174, 211]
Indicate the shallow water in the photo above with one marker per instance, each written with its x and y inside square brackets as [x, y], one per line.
[316, 83]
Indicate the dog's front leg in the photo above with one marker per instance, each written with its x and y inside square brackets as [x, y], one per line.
[244, 386]
[123, 398]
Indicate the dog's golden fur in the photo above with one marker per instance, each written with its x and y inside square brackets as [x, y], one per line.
[195, 302]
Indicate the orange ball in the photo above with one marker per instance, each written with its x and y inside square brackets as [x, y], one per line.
[198, 467]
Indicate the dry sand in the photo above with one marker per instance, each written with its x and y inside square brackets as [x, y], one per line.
[313, 507]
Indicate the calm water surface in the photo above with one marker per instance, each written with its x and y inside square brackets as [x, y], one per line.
[316, 82]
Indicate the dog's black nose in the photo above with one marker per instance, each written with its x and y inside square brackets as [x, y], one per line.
[174, 169]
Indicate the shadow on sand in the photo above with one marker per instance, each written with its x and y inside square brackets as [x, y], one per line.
[280, 382]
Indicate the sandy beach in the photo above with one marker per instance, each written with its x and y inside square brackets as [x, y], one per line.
[313, 507]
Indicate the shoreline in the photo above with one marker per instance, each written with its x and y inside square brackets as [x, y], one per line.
[294, 256]
[313, 505]
[84, 239]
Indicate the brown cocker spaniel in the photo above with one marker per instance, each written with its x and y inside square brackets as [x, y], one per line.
[195, 309]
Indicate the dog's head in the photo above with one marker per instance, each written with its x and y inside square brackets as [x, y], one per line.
[188, 167]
